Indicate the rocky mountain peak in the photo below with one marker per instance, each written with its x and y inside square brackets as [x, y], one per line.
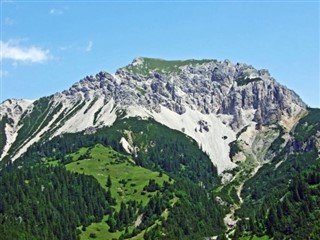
[209, 86]
[217, 95]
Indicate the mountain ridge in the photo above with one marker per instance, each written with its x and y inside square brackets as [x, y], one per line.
[218, 96]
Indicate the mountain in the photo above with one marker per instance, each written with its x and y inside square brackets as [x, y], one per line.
[228, 131]
[208, 100]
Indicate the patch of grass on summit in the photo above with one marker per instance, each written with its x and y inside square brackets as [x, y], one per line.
[162, 66]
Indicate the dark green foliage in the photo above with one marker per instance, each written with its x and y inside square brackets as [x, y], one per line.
[246, 80]
[157, 204]
[152, 186]
[9, 230]
[48, 203]
[64, 116]
[195, 216]
[282, 199]
[153, 234]
[300, 154]
[32, 121]
[234, 148]
[3, 138]
[141, 91]
[124, 218]
[235, 145]
[129, 212]
[308, 125]
[96, 115]
[92, 235]
[222, 237]
[90, 105]
[270, 181]
[242, 131]
[296, 215]
[53, 111]
[109, 182]
[276, 144]
[167, 149]
[110, 199]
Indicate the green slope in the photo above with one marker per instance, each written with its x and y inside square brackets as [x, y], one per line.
[41, 202]
[102, 162]
[160, 150]
[128, 182]
[272, 202]
[298, 155]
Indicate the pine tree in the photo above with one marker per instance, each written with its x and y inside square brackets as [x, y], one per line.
[112, 224]
[109, 182]
[272, 220]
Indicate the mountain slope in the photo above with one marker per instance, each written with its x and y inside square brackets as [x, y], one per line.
[231, 138]
[280, 199]
[208, 100]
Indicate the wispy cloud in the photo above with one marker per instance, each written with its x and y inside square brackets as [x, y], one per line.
[56, 11]
[89, 46]
[67, 47]
[13, 51]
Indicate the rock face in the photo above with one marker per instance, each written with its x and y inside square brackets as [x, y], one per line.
[236, 95]
[212, 87]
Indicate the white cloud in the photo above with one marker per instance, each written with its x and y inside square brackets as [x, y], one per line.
[55, 11]
[67, 47]
[12, 51]
[89, 47]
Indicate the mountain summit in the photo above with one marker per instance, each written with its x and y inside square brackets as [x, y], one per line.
[209, 100]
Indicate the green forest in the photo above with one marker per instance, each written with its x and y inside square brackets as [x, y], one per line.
[85, 186]
[163, 189]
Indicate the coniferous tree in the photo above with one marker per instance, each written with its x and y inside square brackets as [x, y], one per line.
[109, 182]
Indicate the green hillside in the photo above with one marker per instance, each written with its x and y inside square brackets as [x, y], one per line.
[169, 175]
[281, 200]
[167, 189]
[128, 181]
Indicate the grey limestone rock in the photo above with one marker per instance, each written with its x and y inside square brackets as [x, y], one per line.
[214, 87]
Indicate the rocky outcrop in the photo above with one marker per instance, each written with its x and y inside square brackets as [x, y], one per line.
[235, 95]
[212, 87]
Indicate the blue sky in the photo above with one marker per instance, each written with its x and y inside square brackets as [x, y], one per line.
[48, 45]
